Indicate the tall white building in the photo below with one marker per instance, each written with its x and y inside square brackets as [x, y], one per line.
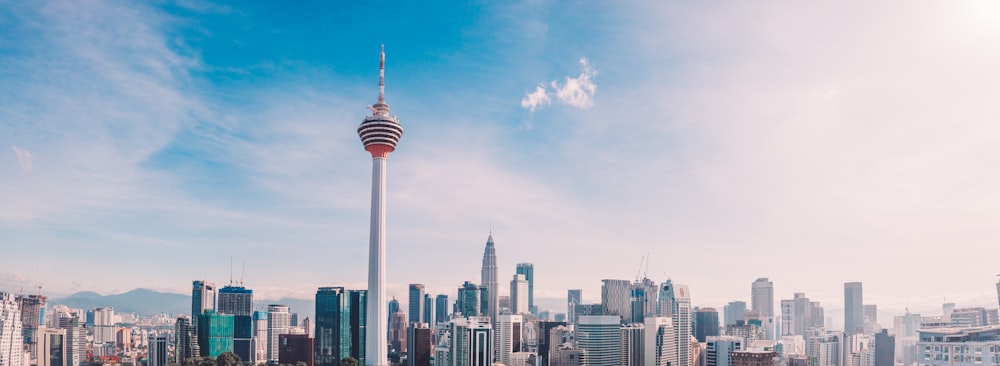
[489, 279]
[633, 346]
[519, 294]
[762, 297]
[11, 341]
[599, 339]
[509, 339]
[471, 342]
[861, 350]
[278, 320]
[104, 325]
[379, 133]
[661, 343]
[718, 349]
[675, 301]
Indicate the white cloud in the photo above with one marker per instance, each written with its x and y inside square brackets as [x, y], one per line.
[536, 99]
[577, 92]
[23, 158]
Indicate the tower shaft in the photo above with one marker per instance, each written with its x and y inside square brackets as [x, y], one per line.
[376, 350]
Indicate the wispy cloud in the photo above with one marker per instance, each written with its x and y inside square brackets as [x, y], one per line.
[576, 92]
[23, 158]
[535, 99]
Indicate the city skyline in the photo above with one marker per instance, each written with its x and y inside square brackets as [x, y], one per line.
[189, 133]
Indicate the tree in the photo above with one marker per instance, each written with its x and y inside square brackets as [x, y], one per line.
[349, 361]
[228, 359]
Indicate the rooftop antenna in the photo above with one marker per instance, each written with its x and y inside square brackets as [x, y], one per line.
[243, 272]
[230, 270]
[381, 76]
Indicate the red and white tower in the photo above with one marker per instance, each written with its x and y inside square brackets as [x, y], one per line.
[379, 133]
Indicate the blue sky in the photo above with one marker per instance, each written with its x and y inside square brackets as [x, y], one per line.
[815, 144]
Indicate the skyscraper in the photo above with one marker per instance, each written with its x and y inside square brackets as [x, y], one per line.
[519, 295]
[11, 338]
[528, 270]
[573, 298]
[616, 298]
[441, 308]
[202, 298]
[416, 304]
[277, 324]
[471, 342]
[508, 334]
[706, 323]
[32, 317]
[185, 339]
[661, 347]
[332, 342]
[428, 315]
[733, 312]
[104, 325]
[238, 301]
[418, 345]
[489, 280]
[157, 355]
[853, 308]
[599, 337]
[675, 301]
[215, 333]
[468, 301]
[379, 133]
[633, 344]
[762, 297]
[260, 339]
[359, 324]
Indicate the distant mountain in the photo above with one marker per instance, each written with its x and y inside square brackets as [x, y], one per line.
[148, 302]
[140, 301]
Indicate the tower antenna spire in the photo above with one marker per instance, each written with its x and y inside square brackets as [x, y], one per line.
[381, 76]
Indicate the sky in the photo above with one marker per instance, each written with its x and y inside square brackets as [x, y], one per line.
[148, 144]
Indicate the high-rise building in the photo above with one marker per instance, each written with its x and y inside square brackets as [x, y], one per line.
[202, 297]
[416, 304]
[379, 133]
[471, 342]
[332, 342]
[238, 301]
[295, 348]
[573, 298]
[661, 345]
[397, 335]
[719, 348]
[11, 336]
[185, 339]
[675, 301]
[76, 337]
[428, 315]
[644, 297]
[616, 298]
[508, 334]
[733, 312]
[260, 339]
[853, 308]
[706, 323]
[528, 270]
[871, 313]
[799, 314]
[633, 344]
[277, 324]
[489, 280]
[157, 355]
[885, 349]
[104, 325]
[418, 345]
[441, 309]
[215, 333]
[519, 294]
[51, 348]
[468, 301]
[545, 329]
[762, 297]
[359, 324]
[32, 317]
[341, 325]
[599, 337]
